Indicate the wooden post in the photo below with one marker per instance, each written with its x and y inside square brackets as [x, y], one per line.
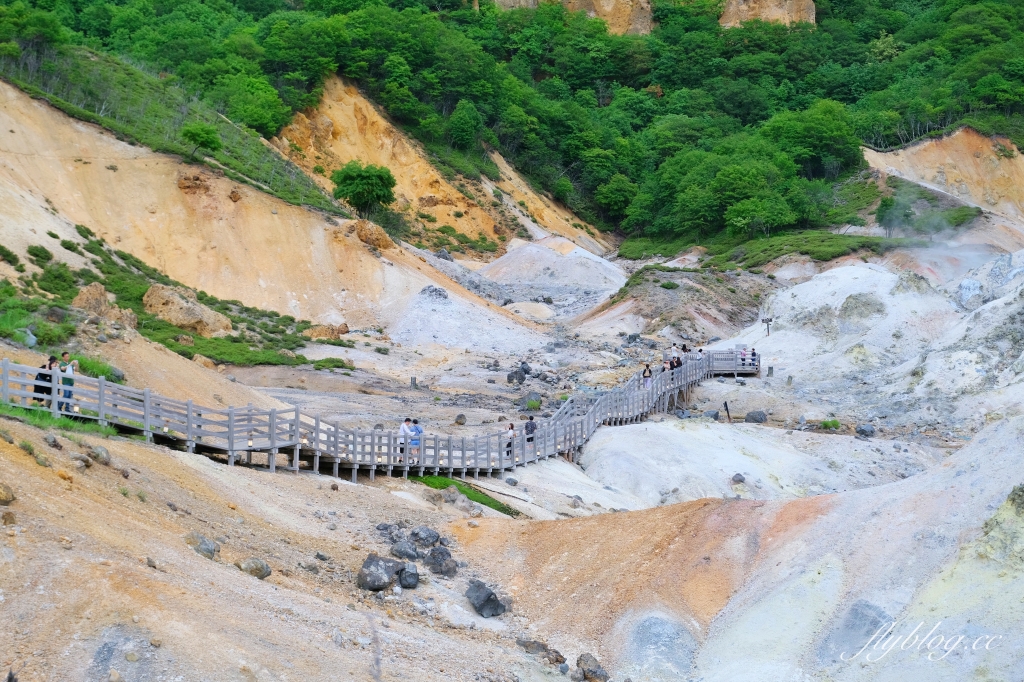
[298, 442]
[55, 392]
[6, 378]
[272, 457]
[231, 436]
[101, 394]
[316, 445]
[190, 441]
[145, 415]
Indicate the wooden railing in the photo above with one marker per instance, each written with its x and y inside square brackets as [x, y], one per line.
[310, 442]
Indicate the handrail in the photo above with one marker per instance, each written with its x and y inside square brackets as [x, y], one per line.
[243, 431]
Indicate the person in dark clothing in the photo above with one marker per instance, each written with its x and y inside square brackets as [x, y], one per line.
[647, 375]
[47, 377]
[530, 428]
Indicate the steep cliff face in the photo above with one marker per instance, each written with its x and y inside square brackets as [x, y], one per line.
[194, 224]
[777, 11]
[979, 170]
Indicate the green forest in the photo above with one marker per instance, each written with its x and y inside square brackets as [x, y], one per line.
[690, 133]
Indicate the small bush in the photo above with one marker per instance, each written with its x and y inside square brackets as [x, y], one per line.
[27, 447]
[458, 214]
[669, 285]
[344, 343]
[52, 234]
[426, 216]
[141, 495]
[442, 482]
[124, 491]
[319, 170]
[8, 255]
[70, 246]
[333, 363]
[383, 350]
[832, 424]
[40, 255]
[533, 404]
[85, 232]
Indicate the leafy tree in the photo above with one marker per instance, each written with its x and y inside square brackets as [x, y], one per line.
[616, 194]
[201, 135]
[364, 187]
[465, 124]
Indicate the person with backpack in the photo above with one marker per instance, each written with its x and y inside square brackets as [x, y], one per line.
[46, 377]
[530, 428]
[647, 375]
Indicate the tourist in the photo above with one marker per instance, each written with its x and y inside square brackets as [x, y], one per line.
[404, 434]
[685, 349]
[530, 427]
[510, 436]
[647, 375]
[414, 442]
[666, 366]
[67, 367]
[743, 357]
[46, 377]
[753, 358]
[675, 351]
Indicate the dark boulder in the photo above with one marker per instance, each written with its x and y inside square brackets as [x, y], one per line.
[409, 576]
[591, 669]
[866, 430]
[378, 572]
[404, 550]
[756, 417]
[711, 414]
[484, 600]
[424, 536]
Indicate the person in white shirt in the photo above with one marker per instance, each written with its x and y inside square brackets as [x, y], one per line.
[404, 434]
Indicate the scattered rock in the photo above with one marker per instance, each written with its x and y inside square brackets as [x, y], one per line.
[756, 417]
[866, 430]
[331, 332]
[404, 550]
[52, 441]
[450, 494]
[151, 563]
[431, 291]
[6, 494]
[202, 545]
[100, 454]
[591, 669]
[532, 646]
[409, 576]
[332, 526]
[4, 435]
[9, 519]
[473, 524]
[683, 414]
[114, 676]
[235, 196]
[485, 601]
[79, 457]
[180, 306]
[738, 478]
[63, 475]
[444, 255]
[102, 338]
[155, 643]
[131, 657]
[322, 557]
[334, 486]
[185, 340]
[532, 397]
[576, 502]
[42, 461]
[563, 668]
[258, 568]
[373, 235]
[460, 419]
[511, 481]
[310, 566]
[711, 414]
[377, 573]
[424, 536]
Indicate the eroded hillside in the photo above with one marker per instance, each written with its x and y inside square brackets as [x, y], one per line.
[736, 12]
[346, 127]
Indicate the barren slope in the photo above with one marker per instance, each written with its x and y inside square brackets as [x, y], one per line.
[622, 16]
[776, 11]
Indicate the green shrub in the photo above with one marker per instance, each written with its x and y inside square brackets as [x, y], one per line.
[39, 255]
[831, 424]
[44, 419]
[91, 367]
[84, 232]
[319, 170]
[333, 363]
[533, 404]
[344, 343]
[123, 490]
[383, 350]
[27, 447]
[59, 280]
[141, 495]
[8, 255]
[70, 246]
[52, 234]
[669, 285]
[53, 334]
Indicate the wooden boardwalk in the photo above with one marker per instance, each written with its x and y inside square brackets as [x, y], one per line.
[292, 440]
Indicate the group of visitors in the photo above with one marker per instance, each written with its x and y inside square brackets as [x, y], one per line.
[529, 428]
[67, 368]
[409, 436]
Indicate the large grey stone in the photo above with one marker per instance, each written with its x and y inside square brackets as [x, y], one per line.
[257, 568]
[409, 576]
[404, 550]
[711, 414]
[866, 430]
[863, 620]
[202, 545]
[100, 454]
[659, 648]
[424, 536]
[6, 494]
[484, 600]
[378, 572]
[756, 417]
[591, 669]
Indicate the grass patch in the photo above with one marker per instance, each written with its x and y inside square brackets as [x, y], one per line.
[383, 350]
[533, 404]
[123, 490]
[831, 424]
[669, 285]
[820, 245]
[27, 447]
[91, 367]
[333, 363]
[43, 419]
[442, 482]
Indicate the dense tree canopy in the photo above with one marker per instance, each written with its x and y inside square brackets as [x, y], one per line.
[692, 130]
